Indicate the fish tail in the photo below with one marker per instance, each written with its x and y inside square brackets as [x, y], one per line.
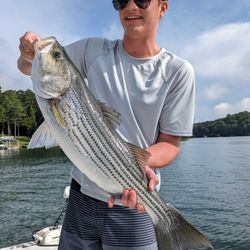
[175, 233]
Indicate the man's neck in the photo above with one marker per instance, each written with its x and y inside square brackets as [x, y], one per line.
[140, 48]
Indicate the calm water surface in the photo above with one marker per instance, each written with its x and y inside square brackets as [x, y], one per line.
[209, 183]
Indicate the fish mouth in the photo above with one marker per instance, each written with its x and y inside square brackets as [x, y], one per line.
[44, 45]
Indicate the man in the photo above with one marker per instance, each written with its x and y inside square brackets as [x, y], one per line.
[154, 92]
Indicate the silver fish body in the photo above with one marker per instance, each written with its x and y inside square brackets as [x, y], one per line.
[85, 130]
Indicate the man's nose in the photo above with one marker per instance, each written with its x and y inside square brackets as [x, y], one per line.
[131, 5]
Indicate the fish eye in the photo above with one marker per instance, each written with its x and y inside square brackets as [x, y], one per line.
[56, 55]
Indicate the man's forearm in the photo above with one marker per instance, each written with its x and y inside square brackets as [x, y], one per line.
[164, 151]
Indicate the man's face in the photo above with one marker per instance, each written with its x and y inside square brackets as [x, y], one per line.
[138, 22]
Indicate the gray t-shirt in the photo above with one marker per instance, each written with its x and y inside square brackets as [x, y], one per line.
[153, 95]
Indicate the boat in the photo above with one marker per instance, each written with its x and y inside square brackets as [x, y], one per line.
[3, 146]
[46, 238]
[8, 142]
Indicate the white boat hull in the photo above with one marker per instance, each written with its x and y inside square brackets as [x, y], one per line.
[30, 246]
[45, 239]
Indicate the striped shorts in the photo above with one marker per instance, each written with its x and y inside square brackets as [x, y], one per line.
[90, 224]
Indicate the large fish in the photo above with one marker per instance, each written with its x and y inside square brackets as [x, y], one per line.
[84, 128]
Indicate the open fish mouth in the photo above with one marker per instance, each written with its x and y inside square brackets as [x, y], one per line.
[44, 45]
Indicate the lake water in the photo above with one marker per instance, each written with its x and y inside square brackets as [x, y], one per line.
[209, 183]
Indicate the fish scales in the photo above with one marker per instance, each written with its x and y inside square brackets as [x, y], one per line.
[78, 122]
[133, 176]
[110, 165]
[94, 134]
[85, 130]
[126, 176]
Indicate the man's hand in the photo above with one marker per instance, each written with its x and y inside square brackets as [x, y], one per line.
[129, 196]
[26, 46]
[27, 52]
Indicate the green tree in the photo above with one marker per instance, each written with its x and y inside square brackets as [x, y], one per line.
[34, 116]
[231, 125]
[2, 111]
[14, 111]
[19, 112]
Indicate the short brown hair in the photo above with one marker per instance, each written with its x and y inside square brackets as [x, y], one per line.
[160, 1]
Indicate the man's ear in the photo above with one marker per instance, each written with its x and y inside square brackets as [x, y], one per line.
[164, 8]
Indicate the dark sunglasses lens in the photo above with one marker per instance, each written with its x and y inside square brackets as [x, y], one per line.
[120, 4]
[143, 4]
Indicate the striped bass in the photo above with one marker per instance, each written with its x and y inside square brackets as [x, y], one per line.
[84, 128]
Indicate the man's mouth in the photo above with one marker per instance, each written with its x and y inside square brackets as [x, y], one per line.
[133, 17]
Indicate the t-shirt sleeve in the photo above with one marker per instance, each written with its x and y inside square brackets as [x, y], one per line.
[177, 116]
[84, 52]
[76, 52]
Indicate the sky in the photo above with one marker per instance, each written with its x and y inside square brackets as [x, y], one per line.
[214, 35]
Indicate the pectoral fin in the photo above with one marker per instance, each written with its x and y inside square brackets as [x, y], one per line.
[42, 138]
[57, 114]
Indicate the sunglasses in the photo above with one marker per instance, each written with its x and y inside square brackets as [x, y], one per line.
[121, 4]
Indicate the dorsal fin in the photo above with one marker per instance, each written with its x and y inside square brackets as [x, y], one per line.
[141, 155]
[111, 115]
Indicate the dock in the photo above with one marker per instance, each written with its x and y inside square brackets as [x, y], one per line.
[8, 143]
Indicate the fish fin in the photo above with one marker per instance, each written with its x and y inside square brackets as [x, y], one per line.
[111, 115]
[141, 155]
[176, 233]
[42, 138]
[57, 114]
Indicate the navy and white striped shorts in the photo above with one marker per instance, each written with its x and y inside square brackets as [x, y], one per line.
[90, 224]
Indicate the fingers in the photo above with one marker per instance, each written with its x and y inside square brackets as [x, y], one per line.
[153, 180]
[129, 196]
[152, 183]
[128, 199]
[111, 201]
[28, 39]
[26, 46]
[140, 208]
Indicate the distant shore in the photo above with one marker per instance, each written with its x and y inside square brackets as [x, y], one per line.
[11, 142]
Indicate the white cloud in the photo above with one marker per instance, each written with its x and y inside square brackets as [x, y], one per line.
[223, 52]
[215, 91]
[44, 17]
[8, 81]
[222, 109]
[114, 31]
[244, 105]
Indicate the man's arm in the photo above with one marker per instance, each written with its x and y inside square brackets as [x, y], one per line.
[164, 151]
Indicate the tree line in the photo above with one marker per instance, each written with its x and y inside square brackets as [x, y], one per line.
[19, 112]
[231, 125]
[20, 115]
